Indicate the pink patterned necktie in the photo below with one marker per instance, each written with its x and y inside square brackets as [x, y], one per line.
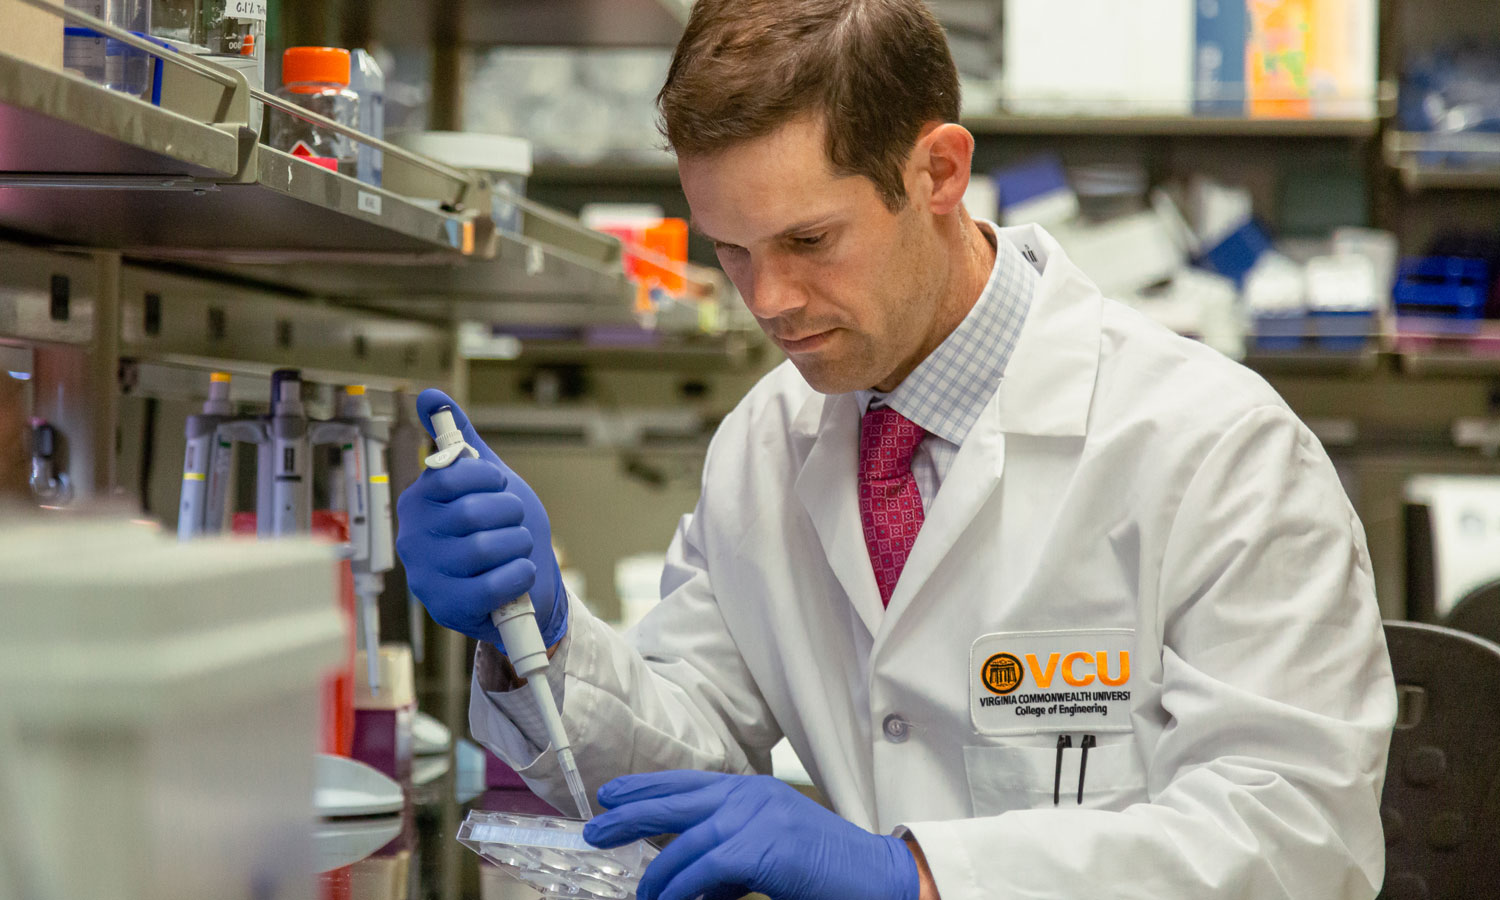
[890, 506]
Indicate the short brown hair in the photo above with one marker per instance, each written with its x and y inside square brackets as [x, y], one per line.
[876, 71]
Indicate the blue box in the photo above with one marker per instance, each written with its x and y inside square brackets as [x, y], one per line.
[1236, 254]
[1451, 287]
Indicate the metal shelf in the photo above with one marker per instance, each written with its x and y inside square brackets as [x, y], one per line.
[512, 279]
[85, 166]
[294, 210]
[56, 122]
[167, 318]
[1170, 126]
[1425, 161]
[1312, 362]
[165, 190]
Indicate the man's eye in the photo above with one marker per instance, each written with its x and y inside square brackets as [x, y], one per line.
[726, 248]
[809, 241]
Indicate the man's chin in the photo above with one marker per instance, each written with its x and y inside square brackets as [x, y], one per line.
[828, 379]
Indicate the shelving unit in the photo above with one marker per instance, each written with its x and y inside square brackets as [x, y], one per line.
[1170, 126]
[137, 238]
[89, 168]
[72, 126]
[1445, 162]
[592, 23]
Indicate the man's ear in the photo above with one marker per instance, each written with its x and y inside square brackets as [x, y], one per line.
[941, 158]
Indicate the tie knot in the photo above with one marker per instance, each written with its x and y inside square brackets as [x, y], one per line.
[887, 441]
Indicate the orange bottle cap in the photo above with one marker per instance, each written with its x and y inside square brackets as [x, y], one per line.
[325, 64]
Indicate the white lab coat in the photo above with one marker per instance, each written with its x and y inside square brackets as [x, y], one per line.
[1121, 477]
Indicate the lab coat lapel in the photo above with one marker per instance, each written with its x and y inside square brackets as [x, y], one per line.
[1048, 390]
[827, 486]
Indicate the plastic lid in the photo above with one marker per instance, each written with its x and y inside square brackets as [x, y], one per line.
[325, 64]
[219, 377]
[469, 150]
[355, 390]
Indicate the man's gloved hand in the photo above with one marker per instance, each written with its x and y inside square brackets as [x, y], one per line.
[474, 536]
[742, 833]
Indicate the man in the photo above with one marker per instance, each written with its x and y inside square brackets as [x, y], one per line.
[1049, 601]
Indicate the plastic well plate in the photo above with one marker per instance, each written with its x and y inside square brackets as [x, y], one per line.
[550, 854]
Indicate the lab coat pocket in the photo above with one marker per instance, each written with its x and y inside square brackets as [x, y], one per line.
[1008, 777]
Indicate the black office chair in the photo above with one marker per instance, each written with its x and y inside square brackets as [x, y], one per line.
[1441, 805]
[1478, 613]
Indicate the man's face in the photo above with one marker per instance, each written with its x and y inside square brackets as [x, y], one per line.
[835, 278]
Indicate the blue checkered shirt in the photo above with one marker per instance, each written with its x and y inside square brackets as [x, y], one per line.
[948, 390]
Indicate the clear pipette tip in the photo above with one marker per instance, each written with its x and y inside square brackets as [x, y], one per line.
[575, 783]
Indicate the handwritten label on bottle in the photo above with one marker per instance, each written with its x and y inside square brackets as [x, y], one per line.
[245, 10]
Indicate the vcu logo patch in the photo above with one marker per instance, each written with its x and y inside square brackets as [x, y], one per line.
[1002, 673]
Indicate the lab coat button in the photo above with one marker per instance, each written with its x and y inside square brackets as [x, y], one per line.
[895, 728]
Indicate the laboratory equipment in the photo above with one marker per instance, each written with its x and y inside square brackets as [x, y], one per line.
[1454, 92]
[369, 486]
[105, 60]
[49, 483]
[1443, 287]
[551, 855]
[1129, 253]
[404, 450]
[367, 498]
[1342, 297]
[504, 161]
[284, 495]
[206, 464]
[348, 787]
[317, 79]
[1035, 191]
[235, 29]
[516, 622]
[383, 719]
[165, 696]
[368, 82]
[1275, 293]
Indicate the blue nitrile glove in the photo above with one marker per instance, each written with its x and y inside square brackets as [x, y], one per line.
[742, 833]
[474, 536]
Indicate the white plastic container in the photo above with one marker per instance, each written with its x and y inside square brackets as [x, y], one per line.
[164, 703]
[504, 160]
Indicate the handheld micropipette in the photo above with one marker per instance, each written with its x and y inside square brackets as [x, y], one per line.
[516, 622]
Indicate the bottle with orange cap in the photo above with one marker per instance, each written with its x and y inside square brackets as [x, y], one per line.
[317, 78]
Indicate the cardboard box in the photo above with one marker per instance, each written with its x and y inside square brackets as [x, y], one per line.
[32, 34]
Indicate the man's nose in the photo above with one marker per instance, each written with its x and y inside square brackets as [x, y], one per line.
[775, 293]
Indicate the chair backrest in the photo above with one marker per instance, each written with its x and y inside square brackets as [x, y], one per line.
[1478, 612]
[1441, 805]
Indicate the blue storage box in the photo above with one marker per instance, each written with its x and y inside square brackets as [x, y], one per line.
[1452, 287]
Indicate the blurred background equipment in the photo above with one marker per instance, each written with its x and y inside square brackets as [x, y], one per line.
[162, 703]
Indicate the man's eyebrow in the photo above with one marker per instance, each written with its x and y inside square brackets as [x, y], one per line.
[799, 227]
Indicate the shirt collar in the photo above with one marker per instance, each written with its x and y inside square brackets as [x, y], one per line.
[946, 393]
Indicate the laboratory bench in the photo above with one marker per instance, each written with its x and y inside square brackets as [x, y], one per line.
[415, 855]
